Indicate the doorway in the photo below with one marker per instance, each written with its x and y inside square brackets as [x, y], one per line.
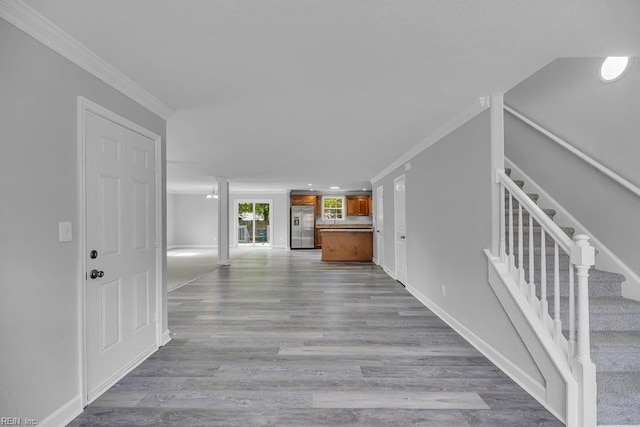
[253, 222]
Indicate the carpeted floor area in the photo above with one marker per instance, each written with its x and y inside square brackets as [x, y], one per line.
[185, 265]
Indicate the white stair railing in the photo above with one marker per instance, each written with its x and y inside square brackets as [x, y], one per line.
[567, 257]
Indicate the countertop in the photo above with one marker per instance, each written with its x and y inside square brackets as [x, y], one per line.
[338, 226]
[346, 230]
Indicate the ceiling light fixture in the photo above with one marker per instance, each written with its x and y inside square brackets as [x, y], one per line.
[613, 68]
[310, 185]
[334, 187]
[213, 194]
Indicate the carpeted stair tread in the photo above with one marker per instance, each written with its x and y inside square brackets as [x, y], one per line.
[600, 305]
[613, 341]
[533, 196]
[569, 231]
[549, 212]
[608, 313]
[615, 351]
[618, 398]
[595, 276]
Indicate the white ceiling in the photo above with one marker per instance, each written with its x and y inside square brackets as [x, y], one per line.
[281, 93]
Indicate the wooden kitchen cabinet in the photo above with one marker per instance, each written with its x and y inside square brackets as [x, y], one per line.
[303, 200]
[318, 238]
[358, 205]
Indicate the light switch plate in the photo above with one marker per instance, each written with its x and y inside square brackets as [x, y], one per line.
[64, 232]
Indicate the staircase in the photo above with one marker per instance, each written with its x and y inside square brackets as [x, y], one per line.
[614, 322]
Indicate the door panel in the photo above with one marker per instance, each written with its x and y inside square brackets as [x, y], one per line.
[141, 215]
[111, 313]
[120, 225]
[110, 196]
[140, 300]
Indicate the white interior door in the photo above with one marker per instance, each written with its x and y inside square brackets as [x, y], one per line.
[400, 225]
[120, 303]
[380, 226]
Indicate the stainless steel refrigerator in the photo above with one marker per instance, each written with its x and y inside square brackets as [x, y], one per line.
[302, 232]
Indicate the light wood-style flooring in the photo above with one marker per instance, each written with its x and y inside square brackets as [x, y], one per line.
[281, 339]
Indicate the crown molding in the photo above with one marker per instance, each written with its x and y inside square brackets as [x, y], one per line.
[25, 18]
[436, 136]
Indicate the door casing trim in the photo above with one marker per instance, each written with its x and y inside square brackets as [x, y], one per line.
[83, 106]
[395, 226]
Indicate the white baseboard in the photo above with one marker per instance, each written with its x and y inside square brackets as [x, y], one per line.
[166, 337]
[505, 365]
[65, 414]
[391, 274]
[605, 260]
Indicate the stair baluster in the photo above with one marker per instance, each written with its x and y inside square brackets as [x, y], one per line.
[520, 251]
[557, 324]
[532, 284]
[503, 254]
[572, 314]
[544, 306]
[511, 256]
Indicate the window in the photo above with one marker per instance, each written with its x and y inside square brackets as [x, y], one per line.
[254, 223]
[333, 208]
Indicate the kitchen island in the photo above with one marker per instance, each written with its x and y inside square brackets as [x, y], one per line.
[344, 244]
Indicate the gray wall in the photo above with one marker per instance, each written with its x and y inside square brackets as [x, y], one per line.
[601, 119]
[39, 363]
[448, 227]
[195, 220]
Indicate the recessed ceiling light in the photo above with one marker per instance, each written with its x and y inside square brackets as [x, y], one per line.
[364, 189]
[613, 68]
[309, 185]
[334, 187]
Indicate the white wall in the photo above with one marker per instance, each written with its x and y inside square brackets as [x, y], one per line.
[601, 119]
[195, 220]
[39, 361]
[448, 194]
[171, 218]
[279, 215]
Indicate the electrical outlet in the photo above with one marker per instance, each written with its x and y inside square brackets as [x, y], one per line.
[444, 290]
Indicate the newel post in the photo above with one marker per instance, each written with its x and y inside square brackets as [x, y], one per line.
[583, 257]
[496, 106]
